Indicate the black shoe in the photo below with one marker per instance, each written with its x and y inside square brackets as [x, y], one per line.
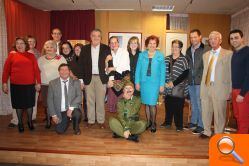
[85, 119]
[198, 130]
[20, 128]
[203, 136]
[77, 132]
[48, 125]
[164, 124]
[148, 125]
[31, 126]
[114, 135]
[12, 125]
[179, 129]
[133, 138]
[153, 128]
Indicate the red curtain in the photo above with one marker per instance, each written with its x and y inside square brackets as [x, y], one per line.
[74, 24]
[25, 20]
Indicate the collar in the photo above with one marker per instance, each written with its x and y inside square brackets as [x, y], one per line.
[195, 48]
[217, 51]
[64, 80]
[97, 47]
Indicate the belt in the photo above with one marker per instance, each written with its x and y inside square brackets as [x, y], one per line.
[95, 74]
[211, 83]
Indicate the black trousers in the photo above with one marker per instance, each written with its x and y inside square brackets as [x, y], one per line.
[174, 108]
[76, 117]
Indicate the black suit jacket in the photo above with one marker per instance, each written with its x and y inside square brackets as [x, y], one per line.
[85, 63]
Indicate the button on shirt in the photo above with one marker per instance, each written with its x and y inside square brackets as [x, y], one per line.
[121, 60]
[216, 55]
[63, 109]
[95, 59]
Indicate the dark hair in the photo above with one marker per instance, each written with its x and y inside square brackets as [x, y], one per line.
[152, 37]
[236, 31]
[30, 37]
[179, 42]
[55, 29]
[69, 44]
[113, 37]
[197, 31]
[129, 42]
[25, 42]
[63, 65]
[78, 45]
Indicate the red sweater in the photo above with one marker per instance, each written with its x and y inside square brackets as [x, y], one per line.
[22, 68]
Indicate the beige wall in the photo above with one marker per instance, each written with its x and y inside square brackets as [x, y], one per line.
[149, 23]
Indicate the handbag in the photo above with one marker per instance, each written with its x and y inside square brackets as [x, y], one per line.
[178, 90]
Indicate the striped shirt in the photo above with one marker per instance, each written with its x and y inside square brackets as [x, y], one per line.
[179, 66]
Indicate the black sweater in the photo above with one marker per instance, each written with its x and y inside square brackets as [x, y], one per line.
[240, 70]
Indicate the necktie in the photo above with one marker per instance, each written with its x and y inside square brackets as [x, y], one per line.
[65, 94]
[210, 68]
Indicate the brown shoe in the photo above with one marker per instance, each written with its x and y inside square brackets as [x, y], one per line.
[203, 136]
[102, 125]
[89, 125]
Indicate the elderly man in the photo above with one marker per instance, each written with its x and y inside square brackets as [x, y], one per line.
[127, 124]
[215, 85]
[64, 101]
[92, 60]
[240, 80]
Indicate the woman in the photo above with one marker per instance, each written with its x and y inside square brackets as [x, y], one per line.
[177, 73]
[133, 48]
[120, 69]
[48, 64]
[76, 72]
[150, 78]
[66, 50]
[21, 66]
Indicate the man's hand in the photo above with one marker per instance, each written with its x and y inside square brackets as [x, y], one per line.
[127, 133]
[108, 58]
[5, 88]
[55, 119]
[239, 99]
[110, 84]
[38, 87]
[138, 87]
[82, 86]
[69, 113]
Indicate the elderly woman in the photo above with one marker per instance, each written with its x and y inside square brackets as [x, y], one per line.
[48, 64]
[150, 78]
[21, 66]
[133, 48]
[176, 86]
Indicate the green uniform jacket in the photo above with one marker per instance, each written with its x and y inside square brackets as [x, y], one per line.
[128, 111]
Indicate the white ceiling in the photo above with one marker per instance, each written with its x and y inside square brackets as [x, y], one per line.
[181, 6]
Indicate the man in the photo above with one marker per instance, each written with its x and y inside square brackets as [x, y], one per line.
[194, 55]
[127, 124]
[215, 85]
[64, 101]
[92, 60]
[240, 81]
[56, 35]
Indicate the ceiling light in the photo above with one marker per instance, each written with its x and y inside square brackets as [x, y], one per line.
[163, 8]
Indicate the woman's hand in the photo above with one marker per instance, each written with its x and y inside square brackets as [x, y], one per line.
[138, 87]
[127, 133]
[38, 87]
[161, 89]
[169, 84]
[5, 88]
[110, 84]
[108, 58]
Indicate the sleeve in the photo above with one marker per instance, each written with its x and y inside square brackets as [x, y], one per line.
[37, 71]
[181, 77]
[50, 100]
[138, 69]
[6, 69]
[245, 86]
[125, 64]
[167, 69]
[162, 72]
[76, 102]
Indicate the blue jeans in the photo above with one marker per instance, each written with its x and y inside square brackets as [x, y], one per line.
[194, 93]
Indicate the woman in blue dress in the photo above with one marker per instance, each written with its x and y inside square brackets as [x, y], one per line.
[150, 78]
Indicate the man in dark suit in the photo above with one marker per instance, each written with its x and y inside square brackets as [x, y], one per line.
[64, 101]
[92, 61]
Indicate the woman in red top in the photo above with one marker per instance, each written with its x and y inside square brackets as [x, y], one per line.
[22, 69]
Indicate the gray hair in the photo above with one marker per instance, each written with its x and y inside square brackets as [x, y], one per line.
[216, 33]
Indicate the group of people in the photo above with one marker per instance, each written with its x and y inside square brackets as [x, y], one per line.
[208, 74]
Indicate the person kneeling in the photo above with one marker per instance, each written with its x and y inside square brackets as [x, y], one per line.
[127, 124]
[64, 101]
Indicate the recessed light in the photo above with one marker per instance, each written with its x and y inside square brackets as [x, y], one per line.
[163, 8]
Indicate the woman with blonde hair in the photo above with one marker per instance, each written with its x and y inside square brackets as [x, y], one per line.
[48, 64]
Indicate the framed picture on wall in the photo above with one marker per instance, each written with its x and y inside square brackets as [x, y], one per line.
[124, 37]
[173, 36]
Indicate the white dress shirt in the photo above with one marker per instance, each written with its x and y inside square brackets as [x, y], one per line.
[216, 55]
[121, 60]
[58, 48]
[95, 59]
[63, 94]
